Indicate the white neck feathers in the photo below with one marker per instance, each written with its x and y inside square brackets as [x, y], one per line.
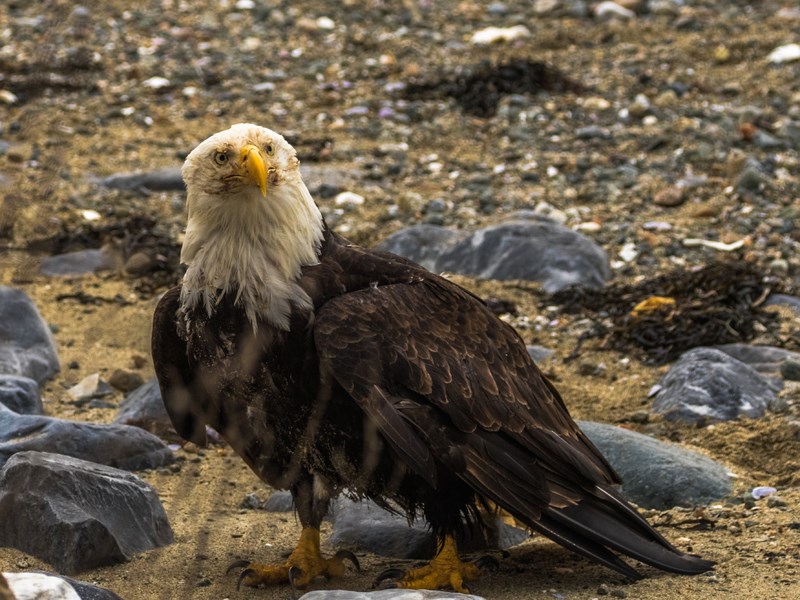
[253, 247]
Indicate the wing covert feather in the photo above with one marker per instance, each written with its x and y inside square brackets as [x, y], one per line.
[465, 384]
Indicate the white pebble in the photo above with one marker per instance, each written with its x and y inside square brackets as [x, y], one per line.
[8, 97]
[763, 491]
[156, 83]
[612, 10]
[587, 226]
[628, 252]
[782, 54]
[713, 244]
[492, 35]
[348, 199]
[325, 23]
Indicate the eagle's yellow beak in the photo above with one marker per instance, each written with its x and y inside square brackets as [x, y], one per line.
[252, 161]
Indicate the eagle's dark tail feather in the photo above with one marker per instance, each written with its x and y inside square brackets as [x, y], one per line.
[606, 521]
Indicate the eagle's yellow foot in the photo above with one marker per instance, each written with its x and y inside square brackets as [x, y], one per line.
[446, 570]
[304, 564]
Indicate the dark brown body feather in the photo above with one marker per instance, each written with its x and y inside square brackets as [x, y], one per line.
[400, 386]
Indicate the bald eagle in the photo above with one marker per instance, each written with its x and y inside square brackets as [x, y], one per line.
[332, 368]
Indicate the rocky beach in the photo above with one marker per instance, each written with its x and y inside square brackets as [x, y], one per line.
[620, 181]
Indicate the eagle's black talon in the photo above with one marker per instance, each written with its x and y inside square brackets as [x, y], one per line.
[241, 577]
[294, 574]
[237, 564]
[387, 584]
[387, 577]
[347, 555]
[488, 563]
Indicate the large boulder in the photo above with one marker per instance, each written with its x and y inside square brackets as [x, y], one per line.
[75, 514]
[535, 249]
[709, 384]
[658, 474]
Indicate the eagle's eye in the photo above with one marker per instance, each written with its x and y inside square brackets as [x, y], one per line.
[269, 149]
[220, 158]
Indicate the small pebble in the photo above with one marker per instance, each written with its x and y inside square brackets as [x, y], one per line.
[125, 381]
[606, 11]
[790, 369]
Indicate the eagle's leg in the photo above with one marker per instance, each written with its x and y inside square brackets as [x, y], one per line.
[446, 570]
[306, 562]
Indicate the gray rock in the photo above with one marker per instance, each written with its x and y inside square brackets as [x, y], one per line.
[325, 181]
[562, 257]
[80, 262]
[366, 526]
[279, 502]
[560, 8]
[20, 394]
[90, 387]
[706, 383]
[751, 177]
[592, 132]
[119, 446]
[539, 354]
[658, 474]
[162, 180]
[792, 302]
[388, 595]
[423, 244]
[125, 381]
[144, 408]
[767, 360]
[26, 344]
[762, 139]
[77, 515]
[790, 369]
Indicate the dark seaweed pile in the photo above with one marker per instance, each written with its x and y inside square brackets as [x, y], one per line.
[719, 304]
[479, 88]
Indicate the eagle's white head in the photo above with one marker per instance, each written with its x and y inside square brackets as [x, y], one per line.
[252, 225]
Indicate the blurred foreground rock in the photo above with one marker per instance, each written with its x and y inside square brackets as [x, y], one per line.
[75, 514]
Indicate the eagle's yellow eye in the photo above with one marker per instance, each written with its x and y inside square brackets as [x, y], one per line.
[220, 158]
[269, 149]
